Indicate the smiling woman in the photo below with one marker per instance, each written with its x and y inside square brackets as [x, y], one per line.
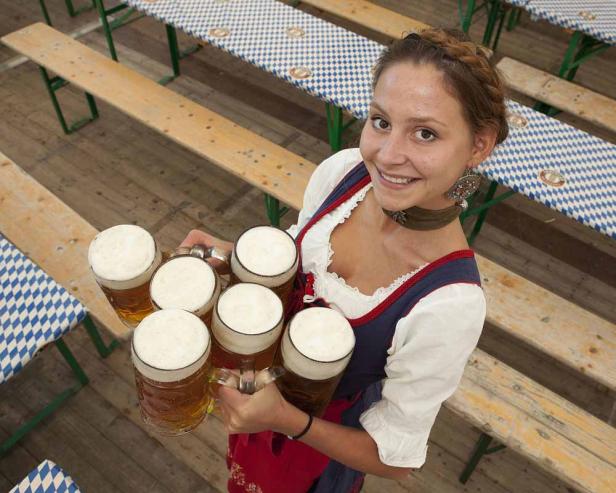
[379, 243]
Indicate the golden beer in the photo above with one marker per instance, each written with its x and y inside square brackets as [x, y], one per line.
[268, 256]
[246, 327]
[170, 354]
[187, 282]
[123, 259]
[315, 349]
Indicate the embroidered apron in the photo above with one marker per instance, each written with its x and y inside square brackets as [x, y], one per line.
[269, 462]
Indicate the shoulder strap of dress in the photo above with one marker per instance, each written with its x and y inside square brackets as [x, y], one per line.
[458, 267]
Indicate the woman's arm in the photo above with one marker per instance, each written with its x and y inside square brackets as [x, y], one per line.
[268, 410]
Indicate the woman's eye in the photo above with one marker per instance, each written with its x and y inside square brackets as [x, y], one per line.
[379, 123]
[425, 135]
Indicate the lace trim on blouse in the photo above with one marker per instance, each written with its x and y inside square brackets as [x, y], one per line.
[339, 216]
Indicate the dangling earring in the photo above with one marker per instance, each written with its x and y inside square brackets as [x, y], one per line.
[464, 187]
[426, 219]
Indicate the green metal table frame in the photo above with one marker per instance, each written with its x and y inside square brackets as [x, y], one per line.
[82, 379]
[108, 27]
[72, 11]
[497, 13]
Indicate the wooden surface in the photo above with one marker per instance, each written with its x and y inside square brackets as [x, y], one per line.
[370, 15]
[142, 177]
[565, 440]
[564, 95]
[55, 237]
[549, 323]
[261, 163]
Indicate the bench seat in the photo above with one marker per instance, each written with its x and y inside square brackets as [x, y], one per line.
[559, 93]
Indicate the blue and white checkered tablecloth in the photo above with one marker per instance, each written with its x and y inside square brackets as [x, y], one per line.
[517, 3]
[336, 58]
[597, 18]
[278, 39]
[578, 169]
[47, 478]
[34, 310]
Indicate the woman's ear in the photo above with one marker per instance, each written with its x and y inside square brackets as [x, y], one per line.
[484, 141]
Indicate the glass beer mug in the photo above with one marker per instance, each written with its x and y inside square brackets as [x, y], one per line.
[268, 256]
[246, 327]
[315, 349]
[186, 281]
[123, 259]
[171, 358]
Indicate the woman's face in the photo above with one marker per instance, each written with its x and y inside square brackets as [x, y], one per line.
[416, 141]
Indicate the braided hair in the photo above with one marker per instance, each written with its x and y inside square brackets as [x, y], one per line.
[467, 71]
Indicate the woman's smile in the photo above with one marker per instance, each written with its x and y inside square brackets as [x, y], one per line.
[396, 182]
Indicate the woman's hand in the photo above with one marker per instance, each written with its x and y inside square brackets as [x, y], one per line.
[201, 238]
[264, 410]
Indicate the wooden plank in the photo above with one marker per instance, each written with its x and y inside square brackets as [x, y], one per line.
[370, 15]
[265, 165]
[568, 442]
[564, 95]
[552, 324]
[55, 237]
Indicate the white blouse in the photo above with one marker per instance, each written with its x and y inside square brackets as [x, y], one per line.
[430, 346]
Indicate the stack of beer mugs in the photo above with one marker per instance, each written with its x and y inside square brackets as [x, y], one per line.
[188, 327]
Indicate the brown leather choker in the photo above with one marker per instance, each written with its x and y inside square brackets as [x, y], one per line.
[425, 219]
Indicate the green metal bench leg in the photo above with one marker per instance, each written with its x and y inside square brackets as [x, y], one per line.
[55, 83]
[481, 449]
[54, 404]
[95, 335]
[73, 12]
[45, 12]
[274, 211]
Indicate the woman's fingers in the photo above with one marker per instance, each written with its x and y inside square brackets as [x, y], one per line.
[196, 236]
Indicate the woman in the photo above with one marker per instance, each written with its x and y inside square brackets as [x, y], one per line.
[380, 243]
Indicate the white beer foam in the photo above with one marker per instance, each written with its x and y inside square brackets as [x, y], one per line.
[170, 345]
[318, 344]
[123, 256]
[255, 315]
[188, 283]
[265, 255]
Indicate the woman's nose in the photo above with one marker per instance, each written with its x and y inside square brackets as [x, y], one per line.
[392, 150]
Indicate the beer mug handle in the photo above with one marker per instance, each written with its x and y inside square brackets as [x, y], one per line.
[205, 252]
[229, 378]
[248, 384]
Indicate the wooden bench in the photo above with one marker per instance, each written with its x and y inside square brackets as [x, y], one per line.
[370, 15]
[561, 438]
[55, 237]
[559, 93]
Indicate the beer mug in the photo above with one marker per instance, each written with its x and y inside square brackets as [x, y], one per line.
[123, 259]
[315, 349]
[268, 256]
[170, 353]
[246, 328]
[186, 281]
